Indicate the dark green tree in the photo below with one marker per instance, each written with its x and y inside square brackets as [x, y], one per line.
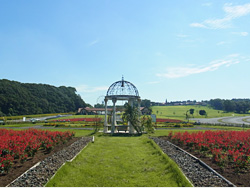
[23, 99]
[191, 111]
[217, 104]
[145, 103]
[229, 106]
[203, 112]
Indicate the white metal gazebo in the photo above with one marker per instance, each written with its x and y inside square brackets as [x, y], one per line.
[123, 91]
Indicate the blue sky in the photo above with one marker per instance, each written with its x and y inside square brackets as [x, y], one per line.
[174, 50]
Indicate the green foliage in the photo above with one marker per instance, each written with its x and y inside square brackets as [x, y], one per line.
[234, 105]
[23, 99]
[148, 124]
[132, 115]
[99, 105]
[202, 112]
[191, 111]
[145, 103]
[172, 125]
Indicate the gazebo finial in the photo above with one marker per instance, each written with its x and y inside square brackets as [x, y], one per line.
[122, 81]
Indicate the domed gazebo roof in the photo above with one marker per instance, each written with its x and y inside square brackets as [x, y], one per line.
[123, 89]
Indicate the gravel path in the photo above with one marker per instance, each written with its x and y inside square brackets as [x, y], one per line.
[195, 171]
[225, 120]
[39, 175]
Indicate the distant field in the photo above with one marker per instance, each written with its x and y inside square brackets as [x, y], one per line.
[30, 116]
[179, 112]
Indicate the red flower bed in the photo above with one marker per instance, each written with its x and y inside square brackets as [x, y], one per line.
[19, 145]
[168, 120]
[225, 147]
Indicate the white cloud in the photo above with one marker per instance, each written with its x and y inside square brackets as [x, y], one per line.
[198, 25]
[87, 89]
[218, 23]
[236, 11]
[177, 72]
[231, 12]
[243, 34]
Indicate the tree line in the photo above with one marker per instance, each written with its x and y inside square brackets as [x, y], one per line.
[241, 106]
[27, 98]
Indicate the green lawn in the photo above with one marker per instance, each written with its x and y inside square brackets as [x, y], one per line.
[179, 112]
[19, 125]
[30, 116]
[120, 162]
[164, 132]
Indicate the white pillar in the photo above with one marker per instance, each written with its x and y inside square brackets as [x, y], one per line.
[114, 120]
[105, 121]
[131, 128]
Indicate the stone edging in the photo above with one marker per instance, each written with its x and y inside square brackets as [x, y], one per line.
[198, 172]
[204, 164]
[40, 173]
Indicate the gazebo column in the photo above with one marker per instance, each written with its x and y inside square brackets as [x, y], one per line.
[114, 117]
[106, 113]
[131, 128]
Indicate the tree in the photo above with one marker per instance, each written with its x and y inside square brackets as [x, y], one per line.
[229, 106]
[99, 105]
[191, 111]
[242, 107]
[203, 112]
[132, 115]
[148, 124]
[217, 104]
[145, 103]
[23, 99]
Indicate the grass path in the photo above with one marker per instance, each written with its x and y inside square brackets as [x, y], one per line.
[120, 162]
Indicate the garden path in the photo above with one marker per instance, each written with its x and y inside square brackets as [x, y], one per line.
[224, 120]
[120, 162]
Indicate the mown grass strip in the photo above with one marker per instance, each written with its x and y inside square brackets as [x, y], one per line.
[120, 162]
